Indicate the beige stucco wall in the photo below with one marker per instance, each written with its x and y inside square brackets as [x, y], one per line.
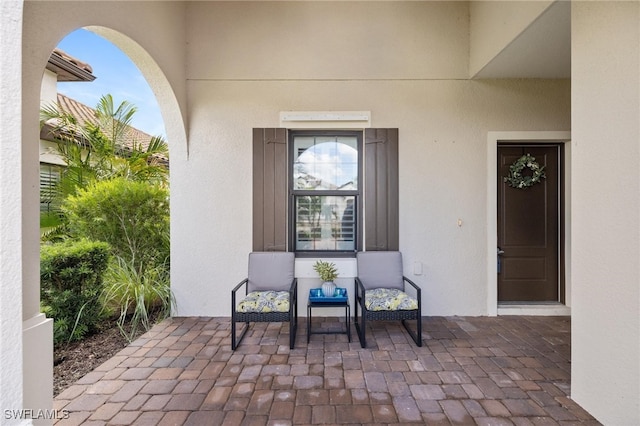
[327, 40]
[495, 24]
[442, 126]
[605, 373]
[239, 80]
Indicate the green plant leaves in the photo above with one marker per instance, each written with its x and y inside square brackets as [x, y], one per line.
[326, 270]
[71, 279]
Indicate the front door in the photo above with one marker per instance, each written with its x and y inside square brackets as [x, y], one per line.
[529, 228]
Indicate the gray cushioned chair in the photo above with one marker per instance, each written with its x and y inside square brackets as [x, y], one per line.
[380, 294]
[271, 294]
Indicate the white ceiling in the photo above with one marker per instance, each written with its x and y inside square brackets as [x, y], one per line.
[543, 50]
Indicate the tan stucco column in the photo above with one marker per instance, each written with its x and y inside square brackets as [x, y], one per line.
[605, 121]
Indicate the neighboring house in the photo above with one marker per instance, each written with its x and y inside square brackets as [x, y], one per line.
[440, 97]
[63, 67]
[83, 114]
[60, 67]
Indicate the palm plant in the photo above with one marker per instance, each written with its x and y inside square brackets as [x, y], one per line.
[107, 146]
[102, 149]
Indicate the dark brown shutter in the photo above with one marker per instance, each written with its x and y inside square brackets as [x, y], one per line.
[269, 190]
[381, 189]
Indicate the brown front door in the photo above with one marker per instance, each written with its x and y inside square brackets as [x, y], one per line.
[529, 228]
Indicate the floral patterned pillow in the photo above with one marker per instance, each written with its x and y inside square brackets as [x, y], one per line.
[389, 299]
[265, 301]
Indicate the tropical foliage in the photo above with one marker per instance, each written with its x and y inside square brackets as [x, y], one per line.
[103, 149]
[114, 189]
[133, 217]
[71, 277]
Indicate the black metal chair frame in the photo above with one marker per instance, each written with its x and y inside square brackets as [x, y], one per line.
[246, 317]
[398, 315]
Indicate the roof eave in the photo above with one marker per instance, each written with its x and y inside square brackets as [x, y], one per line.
[68, 71]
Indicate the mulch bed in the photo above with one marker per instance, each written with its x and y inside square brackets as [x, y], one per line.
[73, 360]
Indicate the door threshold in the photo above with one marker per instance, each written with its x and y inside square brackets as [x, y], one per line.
[531, 308]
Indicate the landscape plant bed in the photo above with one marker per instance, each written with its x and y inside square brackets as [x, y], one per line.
[74, 360]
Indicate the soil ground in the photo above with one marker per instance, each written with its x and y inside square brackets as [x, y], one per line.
[72, 361]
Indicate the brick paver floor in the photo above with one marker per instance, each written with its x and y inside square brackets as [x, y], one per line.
[470, 370]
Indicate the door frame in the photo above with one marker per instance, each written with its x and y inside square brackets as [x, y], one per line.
[541, 137]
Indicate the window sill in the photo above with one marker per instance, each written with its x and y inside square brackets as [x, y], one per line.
[325, 254]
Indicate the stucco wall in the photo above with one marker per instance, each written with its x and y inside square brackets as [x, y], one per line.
[606, 208]
[327, 40]
[239, 80]
[494, 24]
[11, 350]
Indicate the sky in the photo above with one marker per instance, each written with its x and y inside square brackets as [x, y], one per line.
[115, 75]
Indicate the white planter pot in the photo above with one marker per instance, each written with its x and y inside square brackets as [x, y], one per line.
[328, 288]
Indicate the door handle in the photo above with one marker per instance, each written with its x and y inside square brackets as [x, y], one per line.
[500, 251]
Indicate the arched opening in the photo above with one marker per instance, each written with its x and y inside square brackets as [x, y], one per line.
[93, 83]
[171, 113]
[35, 354]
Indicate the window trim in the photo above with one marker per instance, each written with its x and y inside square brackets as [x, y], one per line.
[379, 201]
[358, 194]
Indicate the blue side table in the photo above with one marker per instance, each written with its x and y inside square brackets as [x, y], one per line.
[339, 300]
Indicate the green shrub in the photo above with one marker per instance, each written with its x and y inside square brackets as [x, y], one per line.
[133, 217]
[140, 296]
[71, 278]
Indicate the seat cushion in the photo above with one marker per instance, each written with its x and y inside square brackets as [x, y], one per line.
[389, 299]
[265, 301]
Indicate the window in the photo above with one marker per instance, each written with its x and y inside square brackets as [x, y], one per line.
[49, 177]
[325, 187]
[330, 192]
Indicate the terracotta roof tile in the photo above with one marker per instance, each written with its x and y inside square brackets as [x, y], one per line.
[85, 114]
[77, 62]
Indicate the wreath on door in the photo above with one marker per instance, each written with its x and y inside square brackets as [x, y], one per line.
[517, 179]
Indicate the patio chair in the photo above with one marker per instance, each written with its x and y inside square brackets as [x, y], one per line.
[380, 294]
[271, 294]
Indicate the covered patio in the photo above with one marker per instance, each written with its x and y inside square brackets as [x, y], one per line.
[507, 370]
[456, 79]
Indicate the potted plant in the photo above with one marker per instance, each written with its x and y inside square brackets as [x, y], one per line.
[328, 272]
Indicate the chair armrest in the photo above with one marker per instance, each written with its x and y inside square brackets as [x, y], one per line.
[237, 287]
[233, 295]
[293, 290]
[293, 296]
[418, 289]
[294, 286]
[359, 287]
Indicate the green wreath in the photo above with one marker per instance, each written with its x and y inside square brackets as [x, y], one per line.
[517, 180]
